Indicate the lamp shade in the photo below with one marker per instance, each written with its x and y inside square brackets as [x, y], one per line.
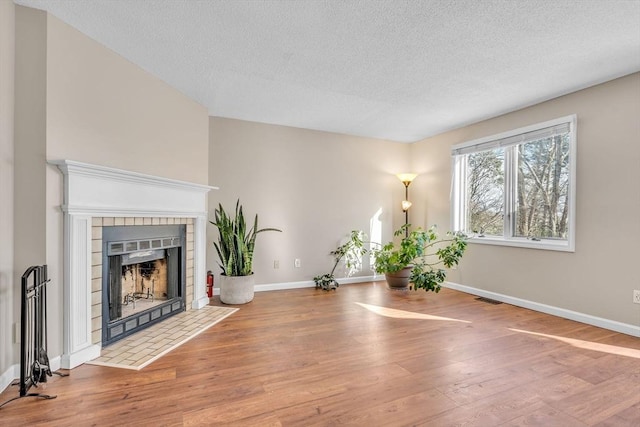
[406, 178]
[406, 205]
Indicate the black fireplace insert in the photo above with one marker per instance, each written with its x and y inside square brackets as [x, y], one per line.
[143, 277]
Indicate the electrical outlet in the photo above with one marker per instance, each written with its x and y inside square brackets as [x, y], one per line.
[296, 263]
[276, 264]
[636, 296]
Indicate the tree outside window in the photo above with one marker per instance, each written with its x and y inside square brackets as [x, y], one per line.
[543, 188]
[485, 185]
[516, 188]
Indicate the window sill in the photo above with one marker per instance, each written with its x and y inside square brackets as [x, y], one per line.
[549, 245]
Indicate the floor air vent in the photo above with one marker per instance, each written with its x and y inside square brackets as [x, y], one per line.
[488, 300]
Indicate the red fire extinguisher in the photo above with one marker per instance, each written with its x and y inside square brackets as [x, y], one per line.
[209, 284]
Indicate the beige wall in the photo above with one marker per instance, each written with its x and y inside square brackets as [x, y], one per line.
[7, 288]
[77, 100]
[315, 186]
[598, 278]
[30, 137]
[30, 146]
[104, 110]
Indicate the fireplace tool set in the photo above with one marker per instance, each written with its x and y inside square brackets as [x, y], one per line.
[34, 361]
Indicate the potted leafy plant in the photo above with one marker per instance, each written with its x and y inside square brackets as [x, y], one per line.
[235, 249]
[352, 251]
[418, 257]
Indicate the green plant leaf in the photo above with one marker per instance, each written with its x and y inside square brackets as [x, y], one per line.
[236, 244]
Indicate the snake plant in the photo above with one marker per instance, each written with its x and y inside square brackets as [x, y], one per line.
[236, 243]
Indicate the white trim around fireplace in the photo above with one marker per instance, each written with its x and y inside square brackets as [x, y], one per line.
[98, 191]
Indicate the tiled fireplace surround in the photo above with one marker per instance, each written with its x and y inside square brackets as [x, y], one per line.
[97, 197]
[97, 225]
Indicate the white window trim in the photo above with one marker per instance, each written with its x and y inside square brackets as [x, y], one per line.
[458, 191]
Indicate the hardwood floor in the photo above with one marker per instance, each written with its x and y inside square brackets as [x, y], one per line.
[306, 357]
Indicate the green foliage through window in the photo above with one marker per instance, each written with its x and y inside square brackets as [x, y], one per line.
[518, 185]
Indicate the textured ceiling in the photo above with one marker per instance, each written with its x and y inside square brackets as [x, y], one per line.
[400, 70]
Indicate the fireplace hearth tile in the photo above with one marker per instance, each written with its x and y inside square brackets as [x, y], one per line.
[142, 348]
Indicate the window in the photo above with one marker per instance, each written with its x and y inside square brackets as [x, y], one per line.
[518, 188]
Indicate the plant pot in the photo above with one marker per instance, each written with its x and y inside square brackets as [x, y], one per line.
[236, 289]
[399, 279]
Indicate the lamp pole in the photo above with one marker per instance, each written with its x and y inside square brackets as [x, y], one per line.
[406, 211]
[406, 179]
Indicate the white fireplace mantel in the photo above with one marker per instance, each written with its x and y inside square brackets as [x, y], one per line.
[93, 189]
[98, 191]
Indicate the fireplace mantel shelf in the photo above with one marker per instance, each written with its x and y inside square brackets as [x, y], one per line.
[102, 191]
[69, 167]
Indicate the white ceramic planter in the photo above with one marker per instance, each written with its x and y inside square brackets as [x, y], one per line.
[236, 289]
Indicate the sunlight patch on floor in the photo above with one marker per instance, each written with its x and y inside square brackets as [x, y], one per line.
[588, 345]
[402, 314]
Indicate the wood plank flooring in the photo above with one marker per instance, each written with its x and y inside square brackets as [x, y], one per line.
[306, 357]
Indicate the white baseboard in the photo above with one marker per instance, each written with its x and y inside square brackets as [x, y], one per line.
[13, 374]
[309, 283]
[199, 303]
[9, 376]
[54, 363]
[305, 284]
[555, 311]
[281, 286]
[77, 358]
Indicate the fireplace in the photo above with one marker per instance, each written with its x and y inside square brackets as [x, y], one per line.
[104, 207]
[143, 279]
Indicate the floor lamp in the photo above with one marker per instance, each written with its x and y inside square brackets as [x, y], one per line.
[406, 179]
